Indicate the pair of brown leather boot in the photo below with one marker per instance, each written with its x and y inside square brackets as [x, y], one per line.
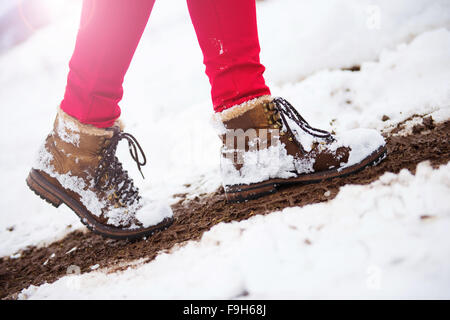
[266, 144]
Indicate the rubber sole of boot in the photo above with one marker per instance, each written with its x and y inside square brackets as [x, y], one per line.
[56, 196]
[241, 193]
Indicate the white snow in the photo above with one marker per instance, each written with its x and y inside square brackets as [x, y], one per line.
[68, 132]
[362, 143]
[259, 165]
[368, 237]
[71, 250]
[354, 246]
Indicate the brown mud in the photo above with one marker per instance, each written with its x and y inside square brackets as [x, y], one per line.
[428, 141]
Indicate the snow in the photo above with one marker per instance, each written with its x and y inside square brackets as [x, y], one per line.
[339, 33]
[412, 79]
[369, 232]
[95, 266]
[353, 246]
[68, 132]
[71, 250]
[259, 165]
[153, 212]
[362, 143]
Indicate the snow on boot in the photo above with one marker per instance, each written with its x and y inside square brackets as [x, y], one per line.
[77, 166]
[267, 143]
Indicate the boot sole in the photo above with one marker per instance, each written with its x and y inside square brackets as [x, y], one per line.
[55, 196]
[241, 193]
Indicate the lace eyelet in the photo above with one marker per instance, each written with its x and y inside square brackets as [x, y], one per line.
[110, 174]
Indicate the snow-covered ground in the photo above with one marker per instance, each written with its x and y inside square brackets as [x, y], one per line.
[378, 247]
[368, 242]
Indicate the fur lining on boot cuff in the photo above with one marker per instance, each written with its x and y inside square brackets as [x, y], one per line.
[239, 109]
[75, 125]
[219, 118]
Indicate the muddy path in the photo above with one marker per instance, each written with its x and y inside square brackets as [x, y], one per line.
[193, 217]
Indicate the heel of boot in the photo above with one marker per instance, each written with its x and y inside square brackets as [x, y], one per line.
[41, 191]
[241, 193]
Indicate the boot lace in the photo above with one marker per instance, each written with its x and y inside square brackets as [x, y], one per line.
[285, 110]
[110, 174]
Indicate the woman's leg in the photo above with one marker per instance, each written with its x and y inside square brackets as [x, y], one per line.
[228, 36]
[107, 39]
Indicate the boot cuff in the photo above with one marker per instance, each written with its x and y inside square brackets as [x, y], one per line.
[239, 109]
[75, 125]
[219, 118]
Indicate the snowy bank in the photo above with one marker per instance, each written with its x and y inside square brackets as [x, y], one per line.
[388, 239]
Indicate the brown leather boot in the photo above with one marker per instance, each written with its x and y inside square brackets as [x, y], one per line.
[267, 143]
[77, 166]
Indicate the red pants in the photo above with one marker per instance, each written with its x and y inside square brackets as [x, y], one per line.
[109, 34]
